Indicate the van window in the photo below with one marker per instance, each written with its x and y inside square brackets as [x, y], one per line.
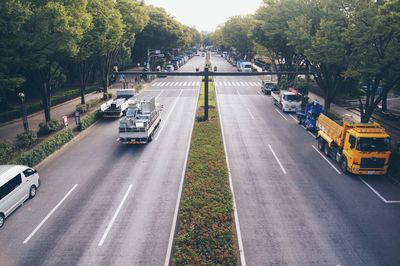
[29, 172]
[10, 186]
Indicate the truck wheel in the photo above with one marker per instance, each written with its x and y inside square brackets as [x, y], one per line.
[321, 144]
[326, 149]
[343, 165]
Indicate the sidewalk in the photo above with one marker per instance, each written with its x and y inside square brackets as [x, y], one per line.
[9, 130]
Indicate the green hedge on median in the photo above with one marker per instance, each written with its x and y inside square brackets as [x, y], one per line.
[44, 149]
[206, 233]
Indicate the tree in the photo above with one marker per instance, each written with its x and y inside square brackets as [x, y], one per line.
[271, 32]
[374, 37]
[54, 32]
[13, 16]
[235, 33]
[317, 33]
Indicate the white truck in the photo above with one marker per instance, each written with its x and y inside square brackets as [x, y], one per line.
[117, 107]
[245, 67]
[286, 100]
[141, 121]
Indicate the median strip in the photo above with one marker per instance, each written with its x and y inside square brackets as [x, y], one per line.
[206, 228]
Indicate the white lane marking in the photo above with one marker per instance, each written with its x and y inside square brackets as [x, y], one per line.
[258, 83]
[180, 84]
[281, 114]
[295, 119]
[247, 84]
[254, 84]
[252, 116]
[170, 84]
[178, 200]
[242, 84]
[277, 159]
[238, 93]
[323, 156]
[311, 134]
[193, 83]
[229, 84]
[259, 93]
[169, 114]
[159, 94]
[237, 84]
[233, 84]
[157, 84]
[377, 193]
[235, 213]
[48, 215]
[115, 216]
[184, 83]
[225, 84]
[198, 83]
[163, 84]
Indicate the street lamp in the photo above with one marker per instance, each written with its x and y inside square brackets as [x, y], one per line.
[24, 114]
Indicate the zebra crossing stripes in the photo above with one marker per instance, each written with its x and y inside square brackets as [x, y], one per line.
[176, 84]
[238, 83]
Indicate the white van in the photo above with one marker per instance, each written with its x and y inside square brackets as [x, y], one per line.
[17, 184]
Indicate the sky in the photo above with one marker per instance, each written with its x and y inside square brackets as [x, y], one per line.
[206, 15]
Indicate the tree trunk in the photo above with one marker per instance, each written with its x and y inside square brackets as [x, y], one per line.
[45, 102]
[384, 101]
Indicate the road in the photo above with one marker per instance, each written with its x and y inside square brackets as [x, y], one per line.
[102, 203]
[294, 206]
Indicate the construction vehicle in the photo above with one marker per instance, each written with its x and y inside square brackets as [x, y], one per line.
[117, 107]
[359, 148]
[308, 117]
[286, 100]
[141, 121]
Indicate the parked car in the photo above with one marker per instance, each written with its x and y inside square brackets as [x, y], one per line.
[215, 68]
[169, 68]
[17, 184]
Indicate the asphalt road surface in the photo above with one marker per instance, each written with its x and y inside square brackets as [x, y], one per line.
[103, 203]
[295, 207]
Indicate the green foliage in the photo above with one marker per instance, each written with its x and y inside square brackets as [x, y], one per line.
[44, 149]
[6, 151]
[81, 108]
[49, 127]
[206, 234]
[90, 119]
[26, 139]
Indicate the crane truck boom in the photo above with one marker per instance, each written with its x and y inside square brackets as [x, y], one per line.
[141, 121]
[359, 148]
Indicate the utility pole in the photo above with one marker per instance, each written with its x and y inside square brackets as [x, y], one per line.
[206, 93]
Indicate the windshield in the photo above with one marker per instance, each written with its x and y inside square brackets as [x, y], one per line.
[247, 66]
[373, 144]
[292, 98]
[131, 112]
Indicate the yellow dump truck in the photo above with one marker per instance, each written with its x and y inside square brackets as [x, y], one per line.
[358, 148]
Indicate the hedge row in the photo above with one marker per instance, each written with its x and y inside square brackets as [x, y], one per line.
[36, 107]
[206, 233]
[90, 119]
[44, 149]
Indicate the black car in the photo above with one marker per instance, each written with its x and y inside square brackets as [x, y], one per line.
[268, 87]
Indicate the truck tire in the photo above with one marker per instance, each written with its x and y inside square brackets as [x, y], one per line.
[321, 144]
[326, 149]
[2, 219]
[343, 165]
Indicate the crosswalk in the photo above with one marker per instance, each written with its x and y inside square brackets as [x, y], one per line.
[197, 84]
[177, 84]
[237, 84]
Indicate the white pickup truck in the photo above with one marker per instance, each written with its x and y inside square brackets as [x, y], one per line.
[286, 100]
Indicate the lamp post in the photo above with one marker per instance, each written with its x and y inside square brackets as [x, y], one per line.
[24, 114]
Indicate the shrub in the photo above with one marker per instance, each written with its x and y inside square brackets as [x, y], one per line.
[26, 139]
[47, 128]
[44, 149]
[90, 119]
[6, 149]
[81, 108]
[107, 96]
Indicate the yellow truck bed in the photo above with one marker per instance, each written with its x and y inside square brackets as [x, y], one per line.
[331, 131]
